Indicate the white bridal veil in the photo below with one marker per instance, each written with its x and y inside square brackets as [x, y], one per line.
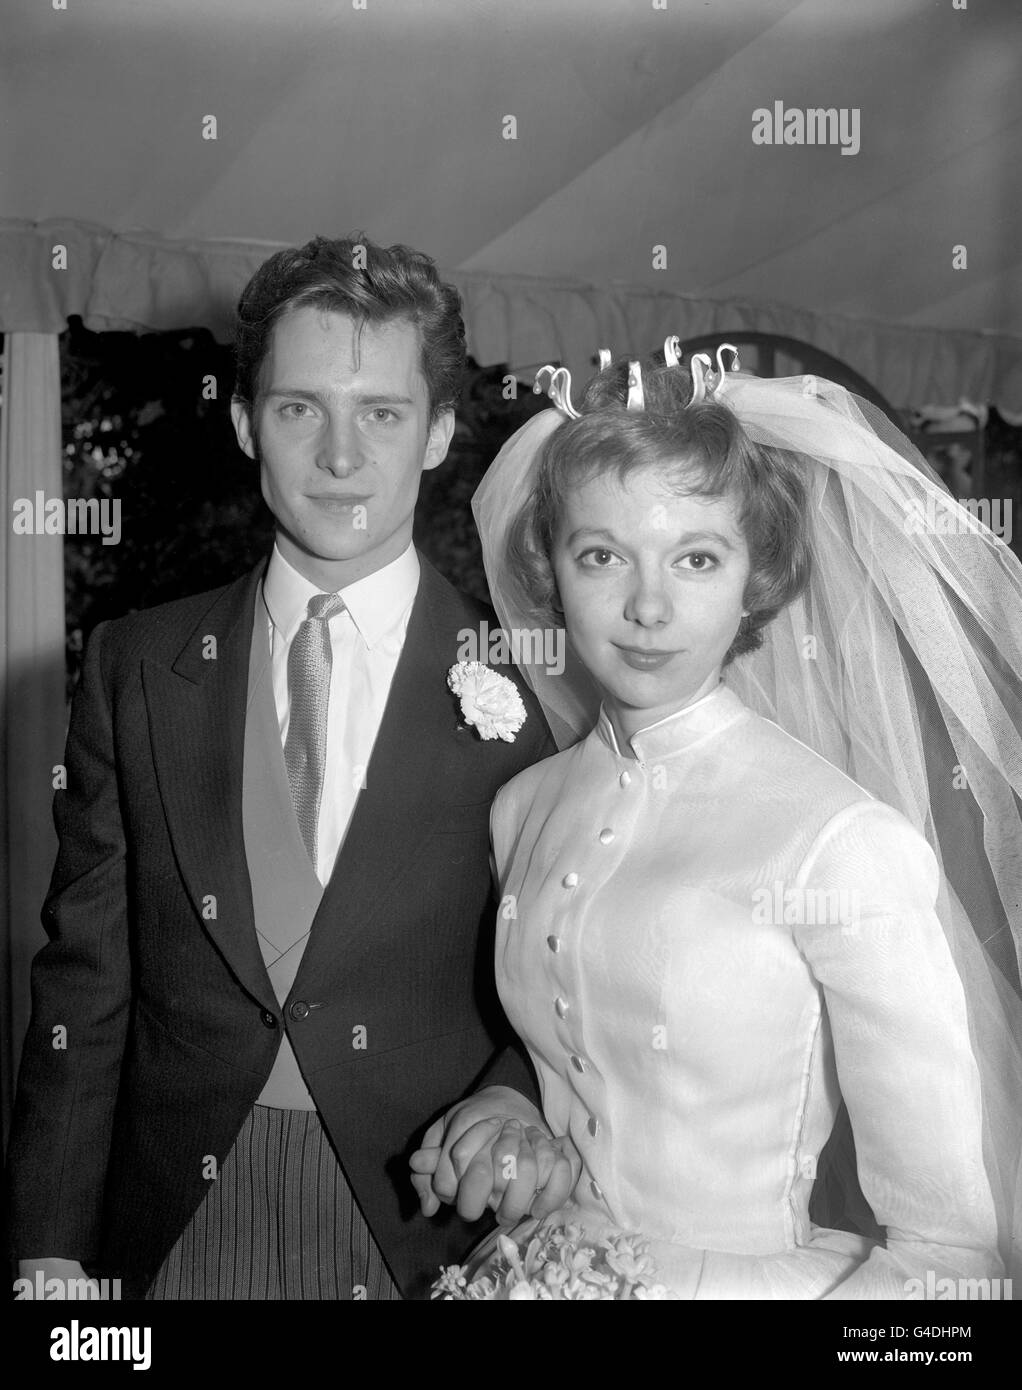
[901, 664]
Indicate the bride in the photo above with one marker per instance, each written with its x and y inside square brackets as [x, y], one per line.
[767, 896]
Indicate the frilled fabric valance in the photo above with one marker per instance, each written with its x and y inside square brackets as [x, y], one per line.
[134, 280]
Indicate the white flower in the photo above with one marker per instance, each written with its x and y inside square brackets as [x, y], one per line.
[489, 701]
[557, 1264]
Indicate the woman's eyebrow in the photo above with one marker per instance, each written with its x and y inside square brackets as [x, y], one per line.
[686, 538]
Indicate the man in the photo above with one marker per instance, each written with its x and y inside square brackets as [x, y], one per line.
[269, 957]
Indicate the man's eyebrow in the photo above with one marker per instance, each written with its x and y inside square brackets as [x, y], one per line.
[295, 394]
[384, 399]
[298, 394]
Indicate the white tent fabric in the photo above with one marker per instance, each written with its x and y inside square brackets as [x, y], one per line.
[634, 122]
[137, 281]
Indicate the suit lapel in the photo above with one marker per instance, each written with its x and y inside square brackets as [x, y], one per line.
[396, 805]
[197, 727]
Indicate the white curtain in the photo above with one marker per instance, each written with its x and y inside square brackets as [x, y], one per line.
[139, 281]
[32, 711]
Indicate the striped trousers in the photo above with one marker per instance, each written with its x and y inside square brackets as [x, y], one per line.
[279, 1222]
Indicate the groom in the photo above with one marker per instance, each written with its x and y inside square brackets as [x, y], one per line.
[269, 959]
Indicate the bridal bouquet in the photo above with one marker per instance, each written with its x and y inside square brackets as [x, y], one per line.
[564, 1263]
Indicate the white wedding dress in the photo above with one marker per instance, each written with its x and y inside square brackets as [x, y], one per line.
[705, 947]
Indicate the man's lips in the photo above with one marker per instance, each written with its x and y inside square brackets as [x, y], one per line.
[334, 499]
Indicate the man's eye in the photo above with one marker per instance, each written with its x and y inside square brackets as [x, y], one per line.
[382, 415]
[294, 410]
[705, 559]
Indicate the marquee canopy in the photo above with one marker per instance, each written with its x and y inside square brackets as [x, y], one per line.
[634, 124]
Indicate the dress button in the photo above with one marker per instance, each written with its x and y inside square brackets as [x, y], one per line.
[570, 880]
[267, 1019]
[561, 1005]
[593, 1126]
[299, 1009]
[578, 1064]
[625, 778]
[554, 942]
[606, 836]
[596, 1190]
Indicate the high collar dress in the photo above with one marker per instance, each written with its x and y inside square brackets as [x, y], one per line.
[706, 941]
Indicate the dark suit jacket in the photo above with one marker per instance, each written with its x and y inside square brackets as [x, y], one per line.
[172, 1024]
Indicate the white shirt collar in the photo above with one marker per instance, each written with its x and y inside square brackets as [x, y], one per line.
[376, 603]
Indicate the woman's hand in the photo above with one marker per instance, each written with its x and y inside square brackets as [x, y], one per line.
[493, 1150]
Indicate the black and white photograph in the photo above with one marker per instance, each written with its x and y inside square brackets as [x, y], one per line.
[512, 677]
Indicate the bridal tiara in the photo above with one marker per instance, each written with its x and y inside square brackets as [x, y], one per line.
[705, 380]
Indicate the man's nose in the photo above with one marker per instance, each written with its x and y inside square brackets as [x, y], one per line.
[340, 446]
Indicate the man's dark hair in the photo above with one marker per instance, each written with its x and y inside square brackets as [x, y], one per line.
[371, 284]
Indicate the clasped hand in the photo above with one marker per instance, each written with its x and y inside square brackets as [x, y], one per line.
[493, 1150]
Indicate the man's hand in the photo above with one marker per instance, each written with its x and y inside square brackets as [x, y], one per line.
[493, 1150]
[65, 1270]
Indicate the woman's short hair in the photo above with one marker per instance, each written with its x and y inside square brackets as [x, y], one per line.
[708, 454]
[369, 283]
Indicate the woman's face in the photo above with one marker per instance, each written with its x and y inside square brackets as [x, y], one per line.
[651, 584]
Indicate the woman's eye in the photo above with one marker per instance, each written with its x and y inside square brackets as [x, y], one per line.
[597, 558]
[701, 559]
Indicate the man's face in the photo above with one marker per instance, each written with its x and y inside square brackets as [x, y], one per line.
[341, 431]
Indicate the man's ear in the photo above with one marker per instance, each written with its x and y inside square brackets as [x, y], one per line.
[441, 432]
[241, 418]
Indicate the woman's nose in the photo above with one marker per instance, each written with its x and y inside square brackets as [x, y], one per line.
[649, 603]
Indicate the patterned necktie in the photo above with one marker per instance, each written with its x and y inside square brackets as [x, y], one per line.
[309, 663]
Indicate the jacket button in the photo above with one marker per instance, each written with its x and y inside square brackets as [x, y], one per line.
[268, 1020]
[299, 1009]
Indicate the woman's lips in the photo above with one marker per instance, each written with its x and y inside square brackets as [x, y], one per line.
[645, 659]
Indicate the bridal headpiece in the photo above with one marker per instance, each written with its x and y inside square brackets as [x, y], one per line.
[705, 378]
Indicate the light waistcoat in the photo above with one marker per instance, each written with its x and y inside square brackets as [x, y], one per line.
[285, 890]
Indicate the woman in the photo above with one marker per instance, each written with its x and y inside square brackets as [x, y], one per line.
[721, 913]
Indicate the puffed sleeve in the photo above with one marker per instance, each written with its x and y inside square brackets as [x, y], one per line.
[896, 1008]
